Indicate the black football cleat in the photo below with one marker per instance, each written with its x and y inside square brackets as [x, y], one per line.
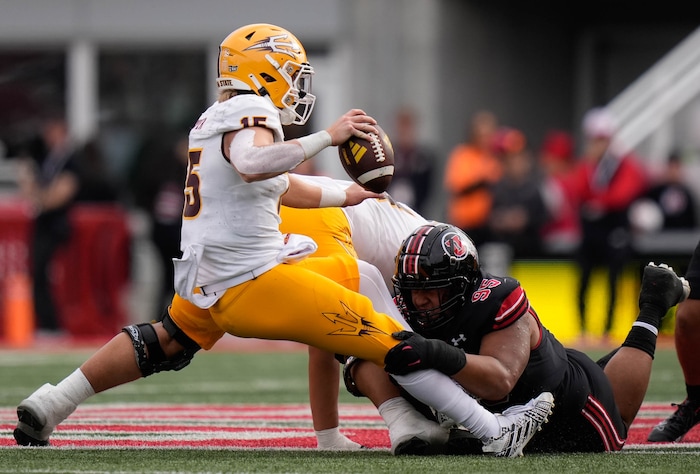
[677, 425]
[661, 287]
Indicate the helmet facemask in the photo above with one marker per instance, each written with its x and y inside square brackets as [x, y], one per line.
[298, 101]
[431, 321]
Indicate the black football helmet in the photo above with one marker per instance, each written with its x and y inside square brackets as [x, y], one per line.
[435, 256]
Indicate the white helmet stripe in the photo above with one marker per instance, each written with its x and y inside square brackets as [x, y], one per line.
[412, 250]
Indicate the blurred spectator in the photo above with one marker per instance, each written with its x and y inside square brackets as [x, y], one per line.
[561, 233]
[470, 172]
[48, 179]
[603, 184]
[159, 191]
[414, 163]
[518, 211]
[96, 182]
[668, 204]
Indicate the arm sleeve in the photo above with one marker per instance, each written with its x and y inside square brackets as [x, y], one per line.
[274, 158]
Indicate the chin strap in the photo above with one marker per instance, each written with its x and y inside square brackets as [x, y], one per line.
[260, 89]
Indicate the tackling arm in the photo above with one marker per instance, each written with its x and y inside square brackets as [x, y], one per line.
[492, 374]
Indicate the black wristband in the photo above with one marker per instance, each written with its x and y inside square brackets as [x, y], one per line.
[446, 358]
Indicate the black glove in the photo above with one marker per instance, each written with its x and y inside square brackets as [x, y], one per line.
[418, 353]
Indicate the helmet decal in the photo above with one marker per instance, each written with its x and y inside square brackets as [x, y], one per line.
[277, 44]
[454, 245]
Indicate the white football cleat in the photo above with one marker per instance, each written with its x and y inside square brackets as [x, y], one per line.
[518, 425]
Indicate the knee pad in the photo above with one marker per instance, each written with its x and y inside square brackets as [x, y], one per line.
[347, 376]
[146, 347]
[150, 357]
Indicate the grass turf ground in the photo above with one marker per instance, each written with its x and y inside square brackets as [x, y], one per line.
[224, 378]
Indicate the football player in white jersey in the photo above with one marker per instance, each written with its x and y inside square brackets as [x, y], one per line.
[240, 275]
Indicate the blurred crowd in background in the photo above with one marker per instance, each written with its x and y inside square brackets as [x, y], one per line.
[522, 202]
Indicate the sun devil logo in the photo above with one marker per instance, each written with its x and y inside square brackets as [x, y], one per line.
[454, 245]
[277, 44]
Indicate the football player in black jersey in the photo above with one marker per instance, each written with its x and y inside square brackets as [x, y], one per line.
[481, 330]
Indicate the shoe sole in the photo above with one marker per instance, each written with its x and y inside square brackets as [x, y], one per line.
[23, 439]
[663, 269]
[412, 447]
[652, 439]
[462, 444]
[28, 422]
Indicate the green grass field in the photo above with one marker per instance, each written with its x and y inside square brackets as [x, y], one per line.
[280, 377]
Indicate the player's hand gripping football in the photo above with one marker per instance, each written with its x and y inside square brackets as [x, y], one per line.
[415, 352]
[355, 194]
[354, 122]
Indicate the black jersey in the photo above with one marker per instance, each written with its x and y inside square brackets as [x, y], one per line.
[496, 304]
[585, 417]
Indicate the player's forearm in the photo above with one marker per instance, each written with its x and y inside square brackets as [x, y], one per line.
[256, 162]
[485, 378]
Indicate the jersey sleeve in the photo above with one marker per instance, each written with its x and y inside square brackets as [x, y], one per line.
[512, 308]
[238, 113]
[504, 301]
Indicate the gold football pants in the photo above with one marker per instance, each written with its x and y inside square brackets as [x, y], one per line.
[311, 302]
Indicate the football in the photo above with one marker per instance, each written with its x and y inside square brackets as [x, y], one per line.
[369, 163]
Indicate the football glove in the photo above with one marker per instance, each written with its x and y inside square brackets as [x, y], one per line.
[415, 352]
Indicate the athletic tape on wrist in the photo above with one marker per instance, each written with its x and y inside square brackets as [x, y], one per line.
[314, 143]
[331, 197]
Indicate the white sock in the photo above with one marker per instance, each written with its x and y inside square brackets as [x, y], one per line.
[76, 387]
[394, 409]
[373, 287]
[58, 402]
[440, 392]
[333, 440]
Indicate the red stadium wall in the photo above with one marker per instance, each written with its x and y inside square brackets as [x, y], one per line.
[90, 273]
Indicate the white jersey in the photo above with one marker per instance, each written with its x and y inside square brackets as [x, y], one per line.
[378, 227]
[235, 223]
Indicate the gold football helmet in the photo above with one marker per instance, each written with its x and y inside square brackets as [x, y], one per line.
[269, 61]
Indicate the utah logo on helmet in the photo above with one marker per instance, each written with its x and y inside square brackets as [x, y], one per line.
[454, 246]
[270, 62]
